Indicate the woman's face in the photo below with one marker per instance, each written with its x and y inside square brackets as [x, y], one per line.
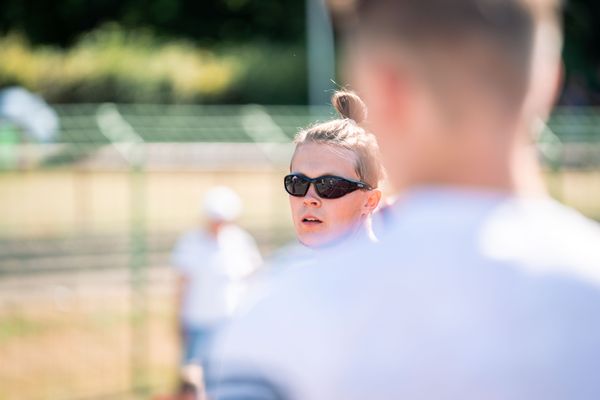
[319, 221]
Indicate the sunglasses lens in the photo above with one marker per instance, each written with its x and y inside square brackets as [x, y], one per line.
[334, 188]
[295, 185]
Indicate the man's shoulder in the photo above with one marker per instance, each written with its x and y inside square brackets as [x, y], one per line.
[237, 234]
[540, 233]
[188, 245]
[543, 235]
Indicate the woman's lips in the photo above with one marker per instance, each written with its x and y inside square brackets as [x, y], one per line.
[311, 220]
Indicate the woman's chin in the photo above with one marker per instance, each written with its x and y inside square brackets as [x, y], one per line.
[320, 239]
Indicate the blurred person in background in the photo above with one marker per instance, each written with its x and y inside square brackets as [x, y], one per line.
[334, 177]
[212, 262]
[483, 287]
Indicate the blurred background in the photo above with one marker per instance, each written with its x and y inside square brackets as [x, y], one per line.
[117, 116]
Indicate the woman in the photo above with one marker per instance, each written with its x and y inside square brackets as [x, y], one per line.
[334, 177]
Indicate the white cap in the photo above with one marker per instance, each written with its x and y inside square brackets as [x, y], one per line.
[222, 204]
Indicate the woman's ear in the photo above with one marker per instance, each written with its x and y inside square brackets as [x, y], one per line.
[372, 201]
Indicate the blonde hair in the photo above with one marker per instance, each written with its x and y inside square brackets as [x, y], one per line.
[346, 133]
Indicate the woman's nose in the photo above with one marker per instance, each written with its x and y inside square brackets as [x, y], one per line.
[312, 199]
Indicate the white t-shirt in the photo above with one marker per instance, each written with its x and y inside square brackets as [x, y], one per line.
[469, 295]
[215, 269]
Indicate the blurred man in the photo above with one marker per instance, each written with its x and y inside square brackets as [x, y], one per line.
[483, 288]
[212, 263]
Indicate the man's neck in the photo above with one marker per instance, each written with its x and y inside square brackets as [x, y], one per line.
[513, 171]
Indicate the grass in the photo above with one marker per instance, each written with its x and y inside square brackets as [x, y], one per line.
[82, 349]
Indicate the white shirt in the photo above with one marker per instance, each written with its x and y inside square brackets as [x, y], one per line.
[215, 269]
[470, 295]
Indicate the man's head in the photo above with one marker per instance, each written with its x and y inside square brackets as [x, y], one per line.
[221, 205]
[450, 84]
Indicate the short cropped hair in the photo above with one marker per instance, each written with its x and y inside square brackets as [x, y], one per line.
[507, 27]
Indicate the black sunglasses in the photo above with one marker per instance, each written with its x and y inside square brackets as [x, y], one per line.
[327, 186]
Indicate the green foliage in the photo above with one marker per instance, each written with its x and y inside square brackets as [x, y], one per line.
[111, 64]
[268, 74]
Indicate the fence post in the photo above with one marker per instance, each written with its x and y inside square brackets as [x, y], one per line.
[132, 147]
[321, 53]
[139, 274]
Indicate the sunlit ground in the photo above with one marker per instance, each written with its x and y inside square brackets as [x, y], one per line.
[72, 339]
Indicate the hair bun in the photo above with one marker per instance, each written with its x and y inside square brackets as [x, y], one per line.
[349, 105]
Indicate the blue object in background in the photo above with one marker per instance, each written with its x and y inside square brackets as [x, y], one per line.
[30, 113]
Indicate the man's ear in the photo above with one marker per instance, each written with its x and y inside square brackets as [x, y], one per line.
[549, 93]
[382, 83]
[372, 201]
[557, 85]
[547, 74]
[393, 89]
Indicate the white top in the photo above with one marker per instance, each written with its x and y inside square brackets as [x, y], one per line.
[469, 295]
[215, 269]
